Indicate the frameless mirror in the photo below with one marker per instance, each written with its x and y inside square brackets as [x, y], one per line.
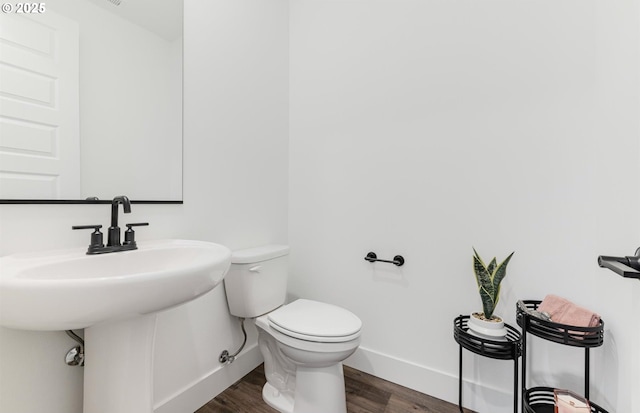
[91, 101]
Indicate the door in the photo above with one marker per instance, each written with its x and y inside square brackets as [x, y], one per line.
[39, 107]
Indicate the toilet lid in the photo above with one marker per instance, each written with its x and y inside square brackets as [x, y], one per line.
[315, 321]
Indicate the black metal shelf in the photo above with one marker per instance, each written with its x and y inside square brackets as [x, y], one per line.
[540, 400]
[495, 349]
[509, 349]
[575, 336]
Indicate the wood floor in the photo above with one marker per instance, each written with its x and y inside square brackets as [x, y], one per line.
[365, 394]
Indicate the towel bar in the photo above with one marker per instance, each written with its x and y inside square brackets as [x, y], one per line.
[397, 260]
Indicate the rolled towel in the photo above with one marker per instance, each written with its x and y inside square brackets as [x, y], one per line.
[564, 311]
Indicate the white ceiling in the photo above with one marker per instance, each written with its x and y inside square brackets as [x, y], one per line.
[162, 17]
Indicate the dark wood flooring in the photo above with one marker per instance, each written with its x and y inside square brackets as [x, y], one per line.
[365, 394]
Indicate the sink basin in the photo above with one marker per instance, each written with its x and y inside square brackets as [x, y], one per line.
[67, 289]
[115, 297]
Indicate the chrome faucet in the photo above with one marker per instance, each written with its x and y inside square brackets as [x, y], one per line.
[113, 239]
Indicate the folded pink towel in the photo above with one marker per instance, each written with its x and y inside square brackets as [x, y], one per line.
[564, 311]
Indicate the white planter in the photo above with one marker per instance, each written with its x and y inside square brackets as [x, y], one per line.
[489, 329]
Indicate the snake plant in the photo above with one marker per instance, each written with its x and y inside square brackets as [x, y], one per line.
[489, 279]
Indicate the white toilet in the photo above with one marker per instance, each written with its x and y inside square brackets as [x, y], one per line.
[303, 343]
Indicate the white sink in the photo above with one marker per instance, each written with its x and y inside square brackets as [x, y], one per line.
[115, 298]
[66, 290]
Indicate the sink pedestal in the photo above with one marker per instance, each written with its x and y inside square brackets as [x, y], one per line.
[106, 294]
[118, 372]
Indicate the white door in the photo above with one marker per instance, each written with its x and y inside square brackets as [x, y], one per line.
[39, 107]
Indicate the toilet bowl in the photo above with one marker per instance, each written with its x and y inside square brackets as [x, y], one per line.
[308, 340]
[303, 343]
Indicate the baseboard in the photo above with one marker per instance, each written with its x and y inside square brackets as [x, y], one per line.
[192, 397]
[478, 397]
[442, 385]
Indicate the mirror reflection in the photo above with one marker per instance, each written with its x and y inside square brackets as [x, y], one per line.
[91, 101]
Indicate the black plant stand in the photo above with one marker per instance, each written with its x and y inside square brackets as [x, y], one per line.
[540, 399]
[511, 349]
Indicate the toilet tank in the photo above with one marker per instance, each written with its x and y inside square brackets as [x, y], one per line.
[257, 280]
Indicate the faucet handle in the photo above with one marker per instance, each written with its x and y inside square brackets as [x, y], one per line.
[96, 236]
[130, 235]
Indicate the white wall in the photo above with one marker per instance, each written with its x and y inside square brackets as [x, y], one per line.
[235, 193]
[236, 108]
[426, 128]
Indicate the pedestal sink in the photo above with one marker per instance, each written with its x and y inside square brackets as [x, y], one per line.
[115, 298]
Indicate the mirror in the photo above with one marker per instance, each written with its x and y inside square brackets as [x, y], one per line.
[91, 102]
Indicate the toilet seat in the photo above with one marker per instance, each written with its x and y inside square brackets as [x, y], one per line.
[315, 321]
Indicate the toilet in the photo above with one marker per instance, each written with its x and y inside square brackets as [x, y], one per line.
[303, 343]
